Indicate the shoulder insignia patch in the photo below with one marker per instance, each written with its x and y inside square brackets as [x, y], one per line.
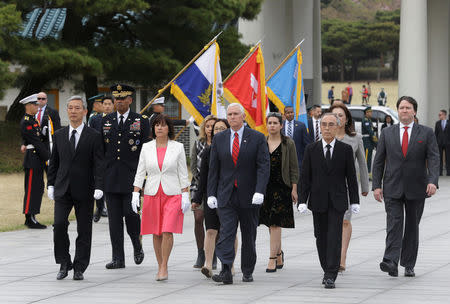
[145, 116]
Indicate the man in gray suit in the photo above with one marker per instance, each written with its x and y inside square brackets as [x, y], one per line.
[407, 161]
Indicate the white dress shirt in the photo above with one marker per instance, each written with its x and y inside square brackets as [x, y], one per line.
[125, 116]
[318, 128]
[79, 129]
[286, 127]
[402, 130]
[240, 132]
[324, 145]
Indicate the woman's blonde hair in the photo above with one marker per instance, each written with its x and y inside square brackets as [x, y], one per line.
[202, 135]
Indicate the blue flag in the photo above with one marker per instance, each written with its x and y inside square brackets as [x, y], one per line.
[285, 87]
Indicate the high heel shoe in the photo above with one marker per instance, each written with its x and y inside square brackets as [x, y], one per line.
[274, 269]
[280, 266]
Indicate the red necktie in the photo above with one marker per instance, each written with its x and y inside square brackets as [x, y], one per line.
[235, 153]
[405, 141]
[39, 116]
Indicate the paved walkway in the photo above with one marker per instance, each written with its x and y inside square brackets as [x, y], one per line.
[28, 271]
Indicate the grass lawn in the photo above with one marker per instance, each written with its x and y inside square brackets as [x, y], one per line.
[390, 87]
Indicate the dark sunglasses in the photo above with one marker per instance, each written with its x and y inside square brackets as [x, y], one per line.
[41, 98]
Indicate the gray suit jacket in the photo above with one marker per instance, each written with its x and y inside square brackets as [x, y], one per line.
[410, 175]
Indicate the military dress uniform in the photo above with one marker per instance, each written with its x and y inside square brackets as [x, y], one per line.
[123, 142]
[34, 161]
[369, 139]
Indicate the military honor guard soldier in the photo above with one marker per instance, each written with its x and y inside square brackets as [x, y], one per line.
[123, 132]
[36, 155]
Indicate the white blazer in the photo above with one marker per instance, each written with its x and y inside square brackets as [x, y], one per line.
[173, 176]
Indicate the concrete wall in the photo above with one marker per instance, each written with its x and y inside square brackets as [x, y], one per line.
[281, 25]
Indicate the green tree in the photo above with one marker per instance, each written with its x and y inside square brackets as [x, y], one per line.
[9, 23]
[144, 42]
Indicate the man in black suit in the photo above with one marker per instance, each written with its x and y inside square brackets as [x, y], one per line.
[74, 173]
[407, 161]
[124, 132]
[297, 131]
[328, 180]
[314, 123]
[442, 132]
[239, 171]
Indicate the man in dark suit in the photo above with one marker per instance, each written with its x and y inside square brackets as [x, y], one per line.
[407, 161]
[314, 123]
[328, 181]
[442, 132]
[45, 115]
[239, 171]
[36, 154]
[124, 132]
[74, 173]
[297, 131]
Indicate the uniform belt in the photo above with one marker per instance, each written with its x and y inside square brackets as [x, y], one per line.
[30, 147]
[365, 135]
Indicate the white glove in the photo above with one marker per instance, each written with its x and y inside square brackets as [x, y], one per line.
[185, 202]
[135, 201]
[44, 130]
[51, 192]
[302, 208]
[355, 208]
[257, 199]
[212, 202]
[98, 194]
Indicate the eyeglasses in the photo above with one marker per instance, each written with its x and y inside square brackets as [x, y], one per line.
[329, 125]
[41, 98]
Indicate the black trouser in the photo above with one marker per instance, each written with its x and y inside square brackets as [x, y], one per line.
[402, 242]
[328, 233]
[119, 206]
[83, 214]
[34, 189]
[444, 150]
[100, 204]
[229, 217]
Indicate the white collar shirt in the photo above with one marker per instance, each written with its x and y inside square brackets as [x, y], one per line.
[79, 129]
[402, 130]
[42, 112]
[240, 132]
[324, 146]
[125, 116]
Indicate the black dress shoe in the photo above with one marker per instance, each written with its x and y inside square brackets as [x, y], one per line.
[96, 215]
[104, 212]
[389, 267]
[138, 256]
[329, 284]
[78, 275]
[115, 264]
[225, 277]
[247, 278]
[409, 272]
[63, 271]
[32, 223]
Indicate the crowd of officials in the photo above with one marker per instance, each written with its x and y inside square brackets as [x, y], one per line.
[239, 178]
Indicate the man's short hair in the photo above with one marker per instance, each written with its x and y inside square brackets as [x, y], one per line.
[444, 111]
[338, 121]
[77, 97]
[408, 99]
[315, 107]
[107, 97]
[234, 104]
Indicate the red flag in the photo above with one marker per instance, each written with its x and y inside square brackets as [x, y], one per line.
[247, 86]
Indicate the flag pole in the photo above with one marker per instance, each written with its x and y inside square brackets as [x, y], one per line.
[242, 61]
[180, 72]
[284, 61]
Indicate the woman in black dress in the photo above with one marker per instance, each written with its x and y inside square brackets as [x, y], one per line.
[281, 192]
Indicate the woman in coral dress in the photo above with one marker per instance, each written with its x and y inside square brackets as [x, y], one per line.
[166, 195]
